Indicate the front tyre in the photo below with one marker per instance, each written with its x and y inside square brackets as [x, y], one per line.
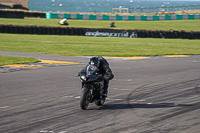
[85, 98]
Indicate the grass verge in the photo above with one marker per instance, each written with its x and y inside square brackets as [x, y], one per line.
[94, 46]
[8, 60]
[187, 25]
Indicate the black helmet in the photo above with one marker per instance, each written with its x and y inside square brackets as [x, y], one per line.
[94, 61]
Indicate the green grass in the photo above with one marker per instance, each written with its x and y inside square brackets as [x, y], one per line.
[187, 25]
[7, 60]
[93, 46]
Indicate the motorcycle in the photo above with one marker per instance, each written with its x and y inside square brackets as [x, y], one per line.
[92, 87]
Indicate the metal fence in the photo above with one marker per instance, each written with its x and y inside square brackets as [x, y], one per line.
[156, 9]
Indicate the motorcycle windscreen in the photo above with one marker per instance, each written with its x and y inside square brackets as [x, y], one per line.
[91, 73]
[91, 70]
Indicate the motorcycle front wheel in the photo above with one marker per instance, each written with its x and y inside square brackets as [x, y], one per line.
[85, 98]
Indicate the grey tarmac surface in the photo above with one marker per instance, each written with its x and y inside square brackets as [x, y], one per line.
[156, 95]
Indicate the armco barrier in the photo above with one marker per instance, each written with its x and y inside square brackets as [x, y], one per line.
[42, 30]
[124, 17]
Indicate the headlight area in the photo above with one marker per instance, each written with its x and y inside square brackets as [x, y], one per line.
[83, 78]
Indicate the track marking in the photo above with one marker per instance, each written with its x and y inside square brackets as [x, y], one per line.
[78, 97]
[24, 66]
[125, 80]
[111, 99]
[114, 99]
[131, 101]
[120, 89]
[4, 107]
[175, 55]
[42, 64]
[58, 62]
[144, 57]
[46, 131]
[134, 57]
[4, 71]
[125, 89]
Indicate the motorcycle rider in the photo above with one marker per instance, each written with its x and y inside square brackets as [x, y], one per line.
[63, 22]
[104, 69]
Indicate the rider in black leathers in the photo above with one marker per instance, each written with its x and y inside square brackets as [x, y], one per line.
[104, 69]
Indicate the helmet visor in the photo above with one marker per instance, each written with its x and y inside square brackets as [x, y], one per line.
[94, 64]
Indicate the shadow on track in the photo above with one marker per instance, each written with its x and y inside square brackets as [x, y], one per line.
[142, 105]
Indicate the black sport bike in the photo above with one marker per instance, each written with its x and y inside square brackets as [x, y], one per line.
[92, 87]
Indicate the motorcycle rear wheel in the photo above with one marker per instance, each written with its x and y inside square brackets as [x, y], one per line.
[101, 101]
[84, 101]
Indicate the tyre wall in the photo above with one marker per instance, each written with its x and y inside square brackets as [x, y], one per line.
[35, 14]
[21, 14]
[124, 17]
[11, 14]
[42, 30]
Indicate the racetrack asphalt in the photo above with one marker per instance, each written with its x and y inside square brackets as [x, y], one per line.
[151, 95]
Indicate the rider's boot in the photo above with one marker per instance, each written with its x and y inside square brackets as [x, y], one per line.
[106, 82]
[105, 91]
